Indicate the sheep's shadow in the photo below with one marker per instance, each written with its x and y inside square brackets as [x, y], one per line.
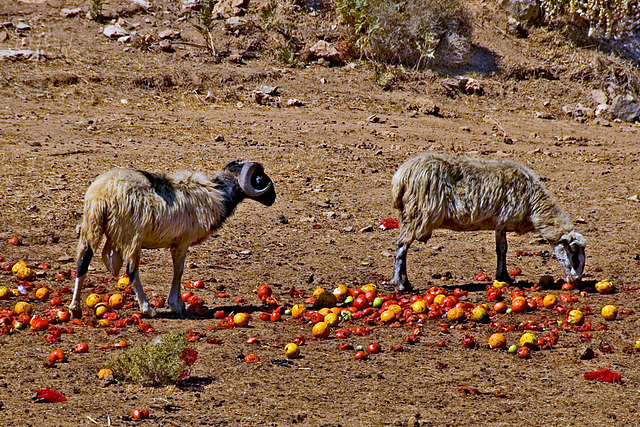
[211, 312]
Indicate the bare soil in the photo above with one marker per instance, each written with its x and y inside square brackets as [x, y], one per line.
[95, 104]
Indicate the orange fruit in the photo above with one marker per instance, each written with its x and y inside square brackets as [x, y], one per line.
[25, 273]
[23, 307]
[369, 287]
[93, 300]
[497, 340]
[298, 310]
[549, 301]
[419, 306]
[320, 330]
[116, 301]
[387, 316]
[456, 314]
[331, 319]
[104, 372]
[42, 293]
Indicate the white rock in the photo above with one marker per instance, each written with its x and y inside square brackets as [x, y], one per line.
[114, 31]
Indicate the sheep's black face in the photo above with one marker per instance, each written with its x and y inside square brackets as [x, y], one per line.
[253, 181]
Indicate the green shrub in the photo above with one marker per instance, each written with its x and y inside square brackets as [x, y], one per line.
[165, 360]
[413, 33]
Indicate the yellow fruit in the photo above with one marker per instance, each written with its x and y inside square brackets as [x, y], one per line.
[340, 292]
[317, 292]
[93, 300]
[499, 285]
[298, 310]
[104, 323]
[241, 319]
[25, 273]
[528, 340]
[101, 309]
[123, 282]
[4, 292]
[320, 330]
[292, 350]
[497, 340]
[116, 301]
[609, 312]
[576, 317]
[604, 287]
[549, 301]
[42, 293]
[369, 287]
[17, 266]
[419, 306]
[456, 314]
[104, 372]
[387, 316]
[331, 319]
[479, 314]
[23, 307]
[395, 308]
[636, 346]
[438, 299]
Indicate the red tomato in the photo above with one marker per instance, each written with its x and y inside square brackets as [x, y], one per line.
[481, 277]
[519, 305]
[388, 303]
[56, 356]
[140, 414]
[374, 348]
[219, 314]
[198, 284]
[370, 295]
[264, 316]
[524, 352]
[361, 355]
[264, 292]
[500, 307]
[276, 316]
[468, 341]
[361, 302]
[55, 302]
[429, 298]
[415, 298]
[81, 347]
[186, 295]
[354, 292]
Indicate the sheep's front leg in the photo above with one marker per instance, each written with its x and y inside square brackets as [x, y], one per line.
[133, 271]
[502, 274]
[81, 274]
[175, 299]
[400, 266]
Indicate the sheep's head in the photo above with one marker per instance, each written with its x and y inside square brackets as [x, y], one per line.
[253, 181]
[569, 252]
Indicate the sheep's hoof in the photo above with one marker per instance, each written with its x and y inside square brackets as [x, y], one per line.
[178, 309]
[404, 286]
[149, 312]
[75, 312]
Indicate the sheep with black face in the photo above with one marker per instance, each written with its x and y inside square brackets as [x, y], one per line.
[465, 194]
[140, 210]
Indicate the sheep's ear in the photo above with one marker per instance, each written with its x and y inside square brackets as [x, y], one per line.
[234, 165]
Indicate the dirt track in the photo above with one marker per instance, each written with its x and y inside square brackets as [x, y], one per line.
[65, 120]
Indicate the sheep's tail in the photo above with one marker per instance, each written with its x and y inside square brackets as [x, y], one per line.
[93, 225]
[398, 187]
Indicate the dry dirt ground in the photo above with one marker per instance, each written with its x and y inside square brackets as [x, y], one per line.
[87, 109]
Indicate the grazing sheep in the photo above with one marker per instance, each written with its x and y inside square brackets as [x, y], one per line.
[464, 194]
[141, 210]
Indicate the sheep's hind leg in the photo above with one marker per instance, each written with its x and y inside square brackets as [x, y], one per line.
[175, 299]
[400, 265]
[81, 274]
[133, 271]
[502, 275]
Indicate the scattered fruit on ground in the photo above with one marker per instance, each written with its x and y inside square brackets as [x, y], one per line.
[609, 312]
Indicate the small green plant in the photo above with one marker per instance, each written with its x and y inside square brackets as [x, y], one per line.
[203, 23]
[282, 31]
[385, 77]
[165, 360]
[95, 9]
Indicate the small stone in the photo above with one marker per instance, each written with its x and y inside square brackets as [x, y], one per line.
[292, 102]
[114, 31]
[326, 51]
[169, 35]
[368, 229]
[235, 23]
[166, 46]
[70, 13]
[22, 26]
[586, 353]
[634, 198]
[270, 90]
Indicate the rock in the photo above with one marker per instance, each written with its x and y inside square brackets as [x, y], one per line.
[3, 36]
[526, 11]
[169, 35]
[599, 96]
[292, 102]
[142, 3]
[368, 229]
[262, 98]
[470, 86]
[578, 112]
[166, 46]
[625, 108]
[6, 25]
[70, 13]
[23, 26]
[586, 353]
[228, 8]
[236, 58]
[516, 28]
[114, 31]
[602, 122]
[270, 90]
[603, 110]
[326, 51]
[634, 198]
[19, 55]
[125, 24]
[235, 23]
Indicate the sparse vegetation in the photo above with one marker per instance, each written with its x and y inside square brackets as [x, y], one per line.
[413, 33]
[203, 23]
[602, 19]
[163, 361]
[95, 9]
